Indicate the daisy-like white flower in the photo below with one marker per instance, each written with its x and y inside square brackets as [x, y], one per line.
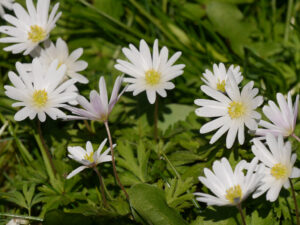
[40, 92]
[283, 119]
[88, 158]
[29, 28]
[98, 108]
[217, 80]
[229, 187]
[279, 165]
[5, 4]
[150, 73]
[233, 112]
[60, 51]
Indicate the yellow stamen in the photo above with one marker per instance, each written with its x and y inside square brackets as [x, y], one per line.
[36, 34]
[89, 157]
[221, 85]
[279, 171]
[40, 98]
[234, 194]
[236, 110]
[152, 77]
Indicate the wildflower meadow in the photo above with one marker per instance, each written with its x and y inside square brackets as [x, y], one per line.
[154, 112]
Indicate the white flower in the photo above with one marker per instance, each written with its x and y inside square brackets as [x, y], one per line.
[17, 221]
[61, 53]
[283, 119]
[29, 28]
[88, 158]
[40, 91]
[218, 79]
[98, 108]
[233, 112]
[149, 73]
[5, 4]
[229, 187]
[279, 165]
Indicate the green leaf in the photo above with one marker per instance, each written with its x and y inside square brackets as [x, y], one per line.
[55, 217]
[176, 113]
[151, 205]
[176, 193]
[135, 159]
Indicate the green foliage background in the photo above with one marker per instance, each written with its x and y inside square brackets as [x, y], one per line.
[261, 36]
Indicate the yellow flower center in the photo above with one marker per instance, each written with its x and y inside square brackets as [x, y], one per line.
[36, 34]
[236, 110]
[221, 85]
[152, 77]
[234, 194]
[279, 171]
[89, 157]
[40, 98]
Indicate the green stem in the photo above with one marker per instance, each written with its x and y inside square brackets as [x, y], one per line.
[288, 20]
[239, 206]
[101, 187]
[155, 120]
[296, 137]
[22, 217]
[295, 202]
[45, 153]
[113, 160]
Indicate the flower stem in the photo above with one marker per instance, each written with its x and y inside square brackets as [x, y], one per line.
[296, 137]
[239, 206]
[113, 160]
[295, 201]
[45, 147]
[101, 186]
[288, 21]
[22, 217]
[155, 119]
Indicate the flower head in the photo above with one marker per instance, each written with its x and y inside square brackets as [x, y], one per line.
[87, 157]
[29, 28]
[218, 79]
[229, 187]
[283, 119]
[60, 52]
[279, 165]
[5, 4]
[40, 92]
[98, 108]
[150, 73]
[233, 111]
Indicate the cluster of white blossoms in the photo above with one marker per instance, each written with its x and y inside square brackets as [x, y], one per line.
[47, 86]
[235, 109]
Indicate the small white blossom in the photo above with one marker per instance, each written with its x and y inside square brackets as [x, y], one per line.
[150, 73]
[87, 157]
[29, 28]
[229, 187]
[40, 91]
[233, 112]
[60, 51]
[279, 165]
[218, 79]
[283, 119]
[98, 108]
